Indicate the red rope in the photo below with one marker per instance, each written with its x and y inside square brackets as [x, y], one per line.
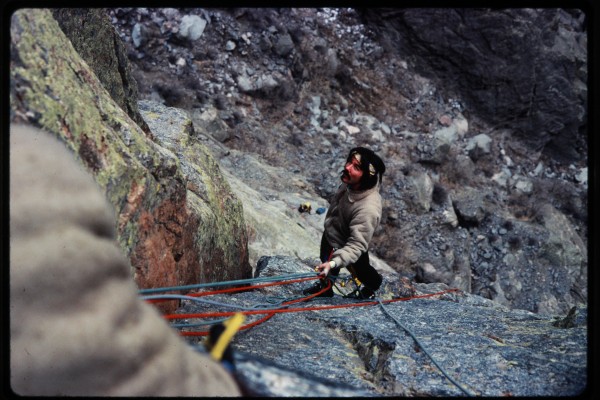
[239, 289]
[247, 326]
[270, 313]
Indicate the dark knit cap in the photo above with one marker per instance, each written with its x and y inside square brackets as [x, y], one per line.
[372, 166]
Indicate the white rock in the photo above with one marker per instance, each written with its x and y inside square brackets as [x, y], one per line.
[481, 141]
[538, 170]
[450, 217]
[352, 130]
[230, 46]
[501, 178]
[582, 177]
[461, 125]
[524, 185]
[191, 27]
[136, 35]
[446, 135]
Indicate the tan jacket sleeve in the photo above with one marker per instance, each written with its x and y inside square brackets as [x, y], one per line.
[77, 325]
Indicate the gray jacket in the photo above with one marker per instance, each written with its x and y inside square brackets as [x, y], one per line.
[351, 221]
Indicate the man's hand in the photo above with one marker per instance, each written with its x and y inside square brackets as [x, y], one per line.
[324, 268]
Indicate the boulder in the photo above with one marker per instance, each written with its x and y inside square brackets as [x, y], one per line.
[469, 206]
[191, 27]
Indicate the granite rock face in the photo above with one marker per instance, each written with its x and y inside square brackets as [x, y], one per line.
[487, 349]
[177, 226]
[214, 209]
[96, 41]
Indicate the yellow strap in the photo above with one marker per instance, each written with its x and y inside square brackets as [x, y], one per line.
[232, 325]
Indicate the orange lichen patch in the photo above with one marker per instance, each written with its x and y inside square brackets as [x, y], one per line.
[134, 199]
[155, 265]
[166, 254]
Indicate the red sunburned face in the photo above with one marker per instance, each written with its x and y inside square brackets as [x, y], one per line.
[352, 173]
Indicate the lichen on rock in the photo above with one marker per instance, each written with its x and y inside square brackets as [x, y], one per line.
[168, 237]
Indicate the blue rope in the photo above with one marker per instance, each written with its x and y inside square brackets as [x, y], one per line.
[196, 324]
[228, 283]
[467, 392]
[275, 303]
[214, 303]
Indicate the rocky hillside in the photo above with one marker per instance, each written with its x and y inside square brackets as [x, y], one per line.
[244, 114]
[486, 188]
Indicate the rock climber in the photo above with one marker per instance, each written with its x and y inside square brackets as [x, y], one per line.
[354, 214]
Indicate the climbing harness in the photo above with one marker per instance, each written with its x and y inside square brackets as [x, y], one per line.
[351, 287]
[359, 288]
[350, 278]
[346, 281]
[358, 291]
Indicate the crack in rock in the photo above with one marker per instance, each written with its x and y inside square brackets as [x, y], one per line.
[374, 354]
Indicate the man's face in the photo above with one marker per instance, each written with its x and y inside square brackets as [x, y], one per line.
[352, 173]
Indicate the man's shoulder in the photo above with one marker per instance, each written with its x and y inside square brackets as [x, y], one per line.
[366, 200]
